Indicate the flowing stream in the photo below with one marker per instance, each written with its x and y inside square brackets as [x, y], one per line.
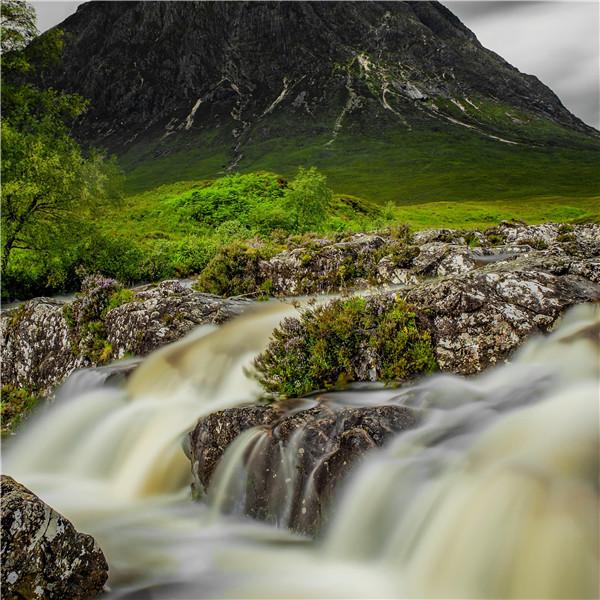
[494, 494]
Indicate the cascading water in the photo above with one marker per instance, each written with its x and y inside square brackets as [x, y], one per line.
[494, 494]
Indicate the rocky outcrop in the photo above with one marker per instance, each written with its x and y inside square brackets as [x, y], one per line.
[43, 556]
[479, 318]
[485, 291]
[161, 315]
[295, 466]
[482, 293]
[324, 265]
[39, 345]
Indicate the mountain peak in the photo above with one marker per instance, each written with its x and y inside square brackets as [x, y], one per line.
[164, 76]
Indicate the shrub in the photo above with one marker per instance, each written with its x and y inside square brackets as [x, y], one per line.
[234, 271]
[331, 345]
[85, 316]
[308, 199]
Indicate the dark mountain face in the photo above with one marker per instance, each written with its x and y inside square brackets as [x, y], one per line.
[166, 76]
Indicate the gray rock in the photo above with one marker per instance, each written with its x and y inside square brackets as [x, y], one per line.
[36, 348]
[43, 556]
[163, 315]
[37, 342]
[480, 317]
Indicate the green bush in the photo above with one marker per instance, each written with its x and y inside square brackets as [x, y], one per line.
[328, 346]
[15, 404]
[234, 271]
[232, 198]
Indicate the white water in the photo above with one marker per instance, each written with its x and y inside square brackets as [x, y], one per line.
[494, 495]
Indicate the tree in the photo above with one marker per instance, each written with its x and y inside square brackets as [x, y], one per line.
[48, 183]
[308, 198]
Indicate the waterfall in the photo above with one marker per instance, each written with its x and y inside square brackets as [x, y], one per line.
[493, 494]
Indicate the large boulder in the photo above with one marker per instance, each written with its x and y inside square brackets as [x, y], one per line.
[480, 317]
[295, 465]
[36, 346]
[41, 346]
[164, 314]
[327, 266]
[43, 556]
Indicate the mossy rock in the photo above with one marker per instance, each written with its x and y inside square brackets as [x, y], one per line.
[355, 339]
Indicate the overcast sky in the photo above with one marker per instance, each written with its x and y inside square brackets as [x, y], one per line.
[558, 41]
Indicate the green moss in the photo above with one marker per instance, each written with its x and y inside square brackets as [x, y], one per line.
[16, 317]
[15, 404]
[536, 243]
[565, 228]
[328, 346]
[565, 238]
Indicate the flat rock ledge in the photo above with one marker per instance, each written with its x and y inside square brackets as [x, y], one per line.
[297, 464]
[43, 556]
[37, 350]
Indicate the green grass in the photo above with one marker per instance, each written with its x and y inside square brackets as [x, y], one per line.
[433, 175]
[404, 167]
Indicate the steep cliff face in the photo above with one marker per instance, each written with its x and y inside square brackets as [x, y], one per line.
[235, 76]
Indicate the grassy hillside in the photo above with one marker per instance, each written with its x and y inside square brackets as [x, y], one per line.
[432, 161]
[176, 216]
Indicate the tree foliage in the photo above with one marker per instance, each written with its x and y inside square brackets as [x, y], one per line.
[49, 185]
[308, 198]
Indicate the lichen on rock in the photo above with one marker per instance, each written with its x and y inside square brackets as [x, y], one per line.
[43, 556]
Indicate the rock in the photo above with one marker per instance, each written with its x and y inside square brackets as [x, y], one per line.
[43, 556]
[476, 315]
[303, 459]
[213, 434]
[163, 315]
[480, 317]
[323, 266]
[38, 349]
[354, 262]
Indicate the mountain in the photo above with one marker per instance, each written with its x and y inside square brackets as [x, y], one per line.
[383, 96]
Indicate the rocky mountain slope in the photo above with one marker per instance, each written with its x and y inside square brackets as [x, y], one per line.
[215, 86]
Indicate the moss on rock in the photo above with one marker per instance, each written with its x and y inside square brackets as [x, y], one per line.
[16, 403]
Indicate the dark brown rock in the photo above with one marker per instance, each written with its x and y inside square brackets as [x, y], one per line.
[303, 457]
[43, 556]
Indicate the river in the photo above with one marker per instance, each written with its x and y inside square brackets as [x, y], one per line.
[494, 494]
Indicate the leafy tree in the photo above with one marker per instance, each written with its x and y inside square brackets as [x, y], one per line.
[308, 198]
[49, 186]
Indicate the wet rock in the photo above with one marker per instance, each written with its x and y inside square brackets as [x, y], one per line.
[214, 433]
[296, 467]
[43, 556]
